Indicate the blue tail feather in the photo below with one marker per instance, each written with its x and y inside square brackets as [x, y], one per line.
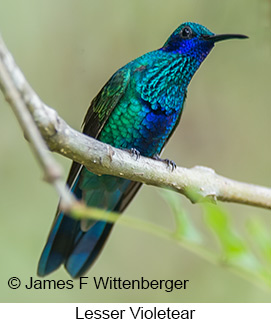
[58, 244]
[85, 253]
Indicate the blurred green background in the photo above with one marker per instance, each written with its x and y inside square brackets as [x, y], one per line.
[68, 49]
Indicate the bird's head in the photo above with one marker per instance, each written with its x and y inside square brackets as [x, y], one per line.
[194, 40]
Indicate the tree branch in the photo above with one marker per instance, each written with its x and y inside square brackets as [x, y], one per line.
[101, 158]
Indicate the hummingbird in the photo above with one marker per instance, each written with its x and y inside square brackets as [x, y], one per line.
[138, 110]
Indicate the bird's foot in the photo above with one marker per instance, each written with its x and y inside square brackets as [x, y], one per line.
[134, 153]
[170, 163]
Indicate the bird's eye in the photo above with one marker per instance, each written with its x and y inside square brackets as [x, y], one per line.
[186, 32]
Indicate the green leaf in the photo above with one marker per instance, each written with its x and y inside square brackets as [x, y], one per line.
[261, 238]
[185, 229]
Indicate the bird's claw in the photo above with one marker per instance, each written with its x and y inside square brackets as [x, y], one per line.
[170, 163]
[135, 153]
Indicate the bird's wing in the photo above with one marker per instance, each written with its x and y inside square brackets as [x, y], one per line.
[100, 109]
[95, 119]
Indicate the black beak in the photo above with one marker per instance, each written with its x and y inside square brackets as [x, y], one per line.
[216, 38]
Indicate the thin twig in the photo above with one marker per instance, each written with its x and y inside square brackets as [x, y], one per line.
[52, 170]
[194, 247]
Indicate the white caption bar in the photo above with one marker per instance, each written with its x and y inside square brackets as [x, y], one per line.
[125, 312]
